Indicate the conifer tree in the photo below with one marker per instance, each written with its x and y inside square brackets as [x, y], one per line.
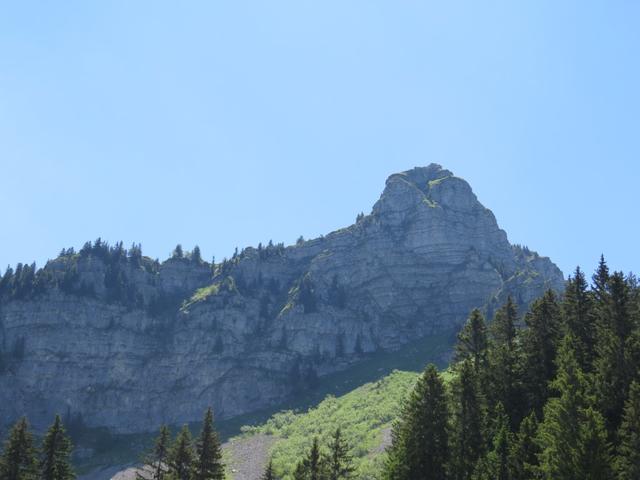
[523, 455]
[504, 381]
[340, 462]
[313, 466]
[495, 465]
[208, 461]
[572, 435]
[627, 461]
[472, 341]
[612, 373]
[181, 456]
[18, 460]
[56, 450]
[158, 460]
[578, 312]
[467, 440]
[539, 349]
[420, 446]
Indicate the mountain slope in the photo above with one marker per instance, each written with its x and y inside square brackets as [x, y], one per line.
[114, 339]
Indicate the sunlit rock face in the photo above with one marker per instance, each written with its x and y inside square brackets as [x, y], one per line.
[263, 325]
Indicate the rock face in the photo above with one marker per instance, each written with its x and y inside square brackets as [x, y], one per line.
[124, 342]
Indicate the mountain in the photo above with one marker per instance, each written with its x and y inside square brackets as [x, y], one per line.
[111, 338]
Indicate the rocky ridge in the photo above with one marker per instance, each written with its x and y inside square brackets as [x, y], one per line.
[118, 340]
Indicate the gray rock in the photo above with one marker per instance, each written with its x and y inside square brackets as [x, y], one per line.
[242, 339]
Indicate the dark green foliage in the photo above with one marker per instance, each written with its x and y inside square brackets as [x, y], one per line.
[56, 451]
[420, 440]
[208, 462]
[539, 343]
[339, 460]
[268, 472]
[307, 295]
[313, 466]
[196, 256]
[177, 252]
[495, 465]
[181, 456]
[579, 318]
[627, 461]
[524, 451]
[472, 342]
[18, 460]
[158, 459]
[504, 378]
[467, 439]
[572, 436]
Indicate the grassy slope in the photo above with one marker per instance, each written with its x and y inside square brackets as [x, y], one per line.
[366, 409]
[365, 413]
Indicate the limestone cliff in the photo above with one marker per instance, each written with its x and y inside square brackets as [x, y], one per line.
[128, 343]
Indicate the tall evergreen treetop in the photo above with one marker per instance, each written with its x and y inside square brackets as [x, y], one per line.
[208, 462]
[472, 341]
[420, 439]
[18, 460]
[56, 452]
[181, 456]
[340, 462]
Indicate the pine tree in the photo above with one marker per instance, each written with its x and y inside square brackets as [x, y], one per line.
[504, 383]
[467, 440]
[181, 456]
[524, 452]
[539, 342]
[313, 466]
[56, 450]
[579, 317]
[472, 341]
[612, 374]
[495, 466]
[18, 461]
[196, 256]
[178, 252]
[208, 462]
[158, 461]
[340, 462]
[420, 446]
[627, 461]
[572, 435]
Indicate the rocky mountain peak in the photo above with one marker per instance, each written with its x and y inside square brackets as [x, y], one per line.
[105, 330]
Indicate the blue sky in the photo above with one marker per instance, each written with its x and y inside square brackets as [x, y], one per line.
[225, 124]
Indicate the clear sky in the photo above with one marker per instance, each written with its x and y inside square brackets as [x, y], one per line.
[227, 123]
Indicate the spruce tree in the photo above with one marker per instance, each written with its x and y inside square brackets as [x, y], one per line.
[504, 382]
[208, 461]
[524, 452]
[627, 460]
[340, 462]
[578, 312]
[56, 450]
[612, 373]
[495, 466]
[18, 461]
[158, 460]
[467, 440]
[181, 456]
[420, 448]
[539, 343]
[313, 466]
[572, 436]
[472, 341]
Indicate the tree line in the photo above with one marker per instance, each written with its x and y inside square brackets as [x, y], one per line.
[556, 397]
